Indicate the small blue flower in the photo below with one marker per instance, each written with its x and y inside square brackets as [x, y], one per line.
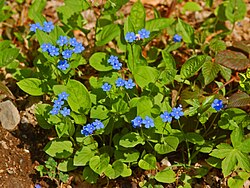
[98, 124]
[58, 103]
[63, 96]
[106, 87]
[217, 104]
[144, 34]
[63, 40]
[35, 26]
[73, 42]
[166, 117]
[67, 54]
[177, 38]
[117, 65]
[130, 37]
[48, 26]
[129, 84]
[45, 47]
[88, 129]
[120, 82]
[113, 59]
[65, 111]
[137, 122]
[177, 112]
[37, 186]
[54, 111]
[53, 51]
[78, 48]
[63, 64]
[148, 122]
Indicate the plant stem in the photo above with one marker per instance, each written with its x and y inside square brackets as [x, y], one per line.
[211, 125]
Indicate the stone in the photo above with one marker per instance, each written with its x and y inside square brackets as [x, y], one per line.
[9, 115]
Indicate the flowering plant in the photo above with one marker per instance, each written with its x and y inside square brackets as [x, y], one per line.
[129, 106]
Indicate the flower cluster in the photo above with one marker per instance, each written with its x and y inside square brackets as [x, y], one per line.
[177, 38]
[142, 34]
[138, 121]
[217, 104]
[47, 27]
[175, 113]
[69, 47]
[113, 60]
[128, 84]
[57, 107]
[91, 127]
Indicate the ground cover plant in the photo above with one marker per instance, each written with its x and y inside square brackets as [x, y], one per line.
[127, 105]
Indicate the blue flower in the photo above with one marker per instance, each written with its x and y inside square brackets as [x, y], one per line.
[148, 122]
[48, 26]
[120, 82]
[217, 104]
[67, 54]
[53, 51]
[144, 34]
[45, 47]
[58, 103]
[35, 26]
[65, 111]
[166, 117]
[117, 65]
[177, 112]
[130, 37]
[88, 129]
[98, 124]
[63, 96]
[37, 186]
[63, 64]
[106, 87]
[137, 122]
[177, 38]
[113, 59]
[129, 84]
[54, 111]
[73, 42]
[78, 48]
[62, 40]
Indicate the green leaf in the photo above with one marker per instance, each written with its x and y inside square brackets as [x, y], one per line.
[225, 72]
[59, 148]
[99, 163]
[108, 33]
[235, 182]
[78, 118]
[229, 163]
[115, 170]
[186, 31]
[89, 175]
[191, 6]
[32, 86]
[41, 112]
[235, 10]
[66, 165]
[192, 66]
[79, 98]
[158, 24]
[217, 45]
[243, 160]
[99, 112]
[148, 162]
[137, 16]
[236, 137]
[4, 44]
[170, 143]
[127, 155]
[245, 146]
[144, 75]
[120, 106]
[99, 62]
[165, 176]
[8, 55]
[222, 151]
[209, 71]
[195, 138]
[130, 140]
[144, 105]
[214, 162]
[126, 171]
[35, 11]
[83, 156]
